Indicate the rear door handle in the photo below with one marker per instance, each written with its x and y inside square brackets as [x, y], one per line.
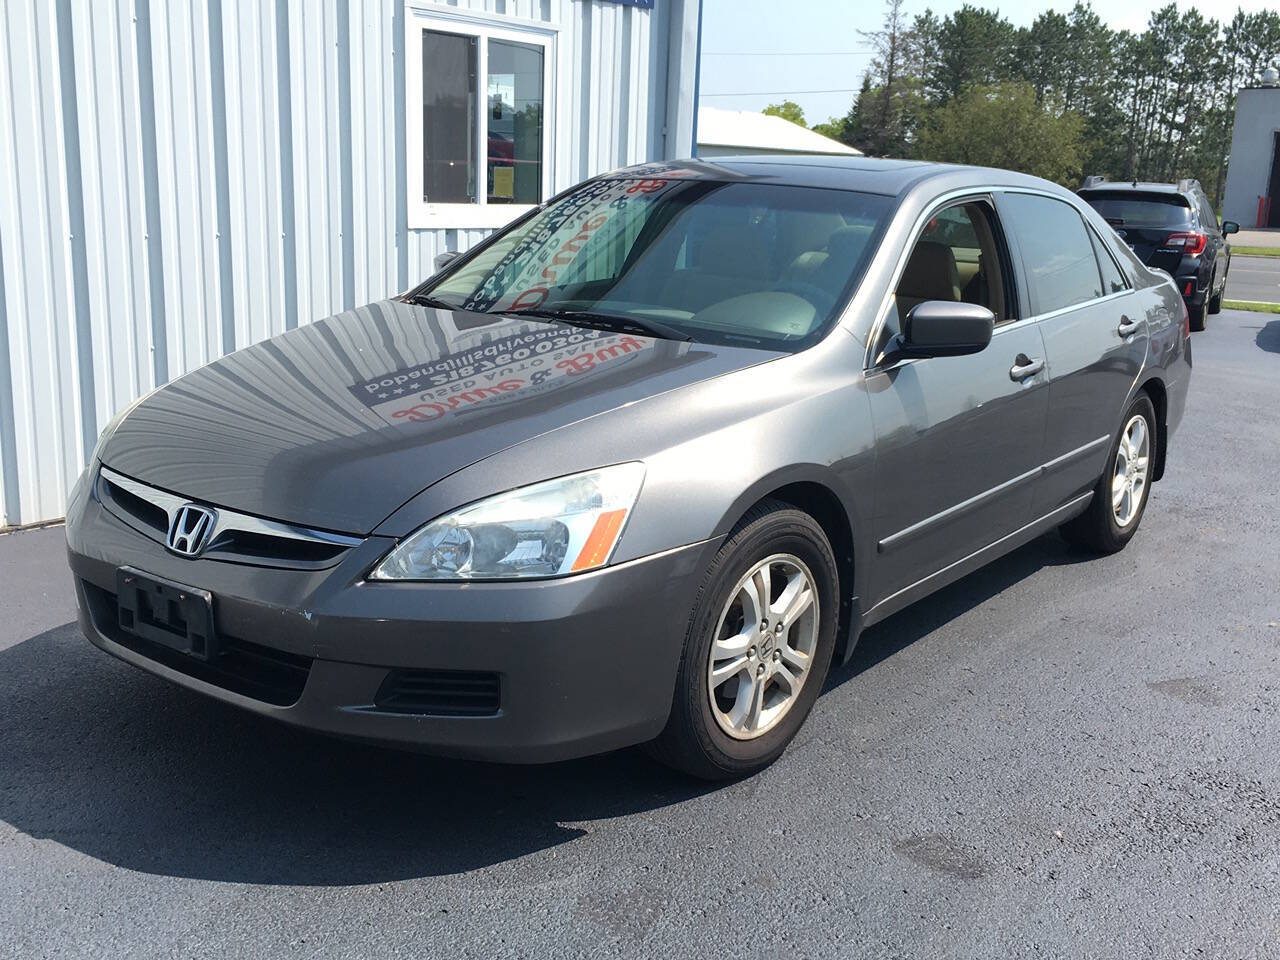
[1024, 367]
[1127, 326]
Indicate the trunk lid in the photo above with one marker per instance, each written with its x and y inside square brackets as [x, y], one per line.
[1149, 244]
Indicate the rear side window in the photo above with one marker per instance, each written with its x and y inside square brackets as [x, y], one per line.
[1208, 219]
[1057, 255]
[1130, 209]
[1113, 280]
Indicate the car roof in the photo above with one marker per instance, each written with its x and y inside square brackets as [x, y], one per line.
[1138, 187]
[863, 174]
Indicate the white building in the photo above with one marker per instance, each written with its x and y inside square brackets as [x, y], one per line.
[730, 133]
[180, 179]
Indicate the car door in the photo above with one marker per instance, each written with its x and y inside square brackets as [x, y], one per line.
[958, 439]
[1095, 335]
[1216, 244]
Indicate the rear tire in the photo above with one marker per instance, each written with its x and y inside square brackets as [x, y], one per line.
[1198, 314]
[1111, 520]
[701, 737]
[1215, 301]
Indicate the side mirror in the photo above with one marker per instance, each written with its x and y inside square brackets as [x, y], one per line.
[943, 328]
[444, 259]
[1230, 226]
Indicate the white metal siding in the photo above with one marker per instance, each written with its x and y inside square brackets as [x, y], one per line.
[178, 180]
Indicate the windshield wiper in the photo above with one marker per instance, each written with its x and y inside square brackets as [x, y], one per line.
[424, 300]
[604, 321]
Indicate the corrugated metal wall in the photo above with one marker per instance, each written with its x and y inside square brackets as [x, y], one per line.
[180, 179]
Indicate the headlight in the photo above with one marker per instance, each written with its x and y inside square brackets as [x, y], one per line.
[549, 529]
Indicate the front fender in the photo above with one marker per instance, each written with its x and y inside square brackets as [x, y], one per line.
[710, 451]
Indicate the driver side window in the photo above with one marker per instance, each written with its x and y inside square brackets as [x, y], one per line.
[957, 258]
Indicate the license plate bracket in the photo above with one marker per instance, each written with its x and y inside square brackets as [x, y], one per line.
[170, 614]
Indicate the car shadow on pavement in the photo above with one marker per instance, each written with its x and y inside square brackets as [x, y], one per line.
[904, 628]
[1268, 337]
[135, 772]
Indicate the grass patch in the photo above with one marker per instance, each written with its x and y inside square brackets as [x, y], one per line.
[1254, 305]
[1254, 251]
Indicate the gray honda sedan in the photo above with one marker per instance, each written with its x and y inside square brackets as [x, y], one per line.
[641, 467]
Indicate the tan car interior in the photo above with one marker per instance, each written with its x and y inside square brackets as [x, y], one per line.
[731, 262]
[955, 259]
[740, 268]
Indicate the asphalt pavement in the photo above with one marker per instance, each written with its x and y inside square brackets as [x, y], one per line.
[1254, 278]
[1059, 756]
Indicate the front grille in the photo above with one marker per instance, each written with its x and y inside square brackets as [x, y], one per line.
[236, 537]
[440, 693]
[249, 669]
[148, 514]
[251, 547]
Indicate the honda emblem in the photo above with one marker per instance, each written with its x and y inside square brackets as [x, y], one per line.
[190, 529]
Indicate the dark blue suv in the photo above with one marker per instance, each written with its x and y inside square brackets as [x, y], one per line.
[1171, 227]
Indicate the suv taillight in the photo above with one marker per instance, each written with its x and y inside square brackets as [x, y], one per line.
[1192, 244]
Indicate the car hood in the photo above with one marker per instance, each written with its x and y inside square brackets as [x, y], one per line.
[336, 424]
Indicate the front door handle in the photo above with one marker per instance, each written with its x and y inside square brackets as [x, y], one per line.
[1024, 367]
[1127, 326]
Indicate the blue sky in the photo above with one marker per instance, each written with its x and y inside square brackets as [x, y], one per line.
[757, 49]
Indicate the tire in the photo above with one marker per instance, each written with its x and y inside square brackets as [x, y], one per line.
[695, 739]
[1198, 314]
[1215, 300]
[1099, 528]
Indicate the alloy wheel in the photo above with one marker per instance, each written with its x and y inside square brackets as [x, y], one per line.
[1129, 477]
[763, 647]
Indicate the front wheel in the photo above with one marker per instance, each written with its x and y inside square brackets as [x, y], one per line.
[758, 647]
[1120, 497]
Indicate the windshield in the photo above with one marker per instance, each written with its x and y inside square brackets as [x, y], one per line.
[746, 263]
[1141, 210]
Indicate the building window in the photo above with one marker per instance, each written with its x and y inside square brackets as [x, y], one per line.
[478, 126]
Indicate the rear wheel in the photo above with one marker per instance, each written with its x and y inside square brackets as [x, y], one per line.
[759, 644]
[1199, 313]
[1215, 299]
[1120, 497]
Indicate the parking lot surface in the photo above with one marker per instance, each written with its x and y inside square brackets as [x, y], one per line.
[1059, 756]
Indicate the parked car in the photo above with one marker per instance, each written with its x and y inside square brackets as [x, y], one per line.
[1171, 227]
[642, 466]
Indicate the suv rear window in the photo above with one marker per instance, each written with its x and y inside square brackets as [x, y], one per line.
[1127, 208]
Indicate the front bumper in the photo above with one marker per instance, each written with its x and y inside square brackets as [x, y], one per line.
[582, 665]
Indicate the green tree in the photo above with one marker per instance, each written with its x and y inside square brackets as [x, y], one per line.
[852, 127]
[1157, 104]
[973, 47]
[833, 128]
[1067, 58]
[787, 110]
[884, 116]
[1003, 125]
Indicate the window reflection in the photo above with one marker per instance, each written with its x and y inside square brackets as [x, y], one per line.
[514, 85]
[448, 117]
